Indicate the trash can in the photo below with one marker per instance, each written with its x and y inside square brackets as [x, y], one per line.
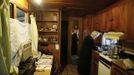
[75, 59]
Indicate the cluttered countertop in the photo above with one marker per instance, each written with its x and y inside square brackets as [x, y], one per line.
[44, 65]
[114, 58]
[125, 64]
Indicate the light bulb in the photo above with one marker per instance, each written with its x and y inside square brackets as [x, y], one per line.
[38, 1]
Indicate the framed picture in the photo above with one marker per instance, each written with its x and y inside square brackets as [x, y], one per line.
[76, 24]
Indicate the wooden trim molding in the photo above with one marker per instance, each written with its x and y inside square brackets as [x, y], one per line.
[22, 4]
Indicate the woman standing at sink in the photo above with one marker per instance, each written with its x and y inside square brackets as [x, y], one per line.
[85, 53]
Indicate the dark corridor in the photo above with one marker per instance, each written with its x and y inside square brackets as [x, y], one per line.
[64, 42]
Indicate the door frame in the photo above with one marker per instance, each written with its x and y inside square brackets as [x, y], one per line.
[70, 30]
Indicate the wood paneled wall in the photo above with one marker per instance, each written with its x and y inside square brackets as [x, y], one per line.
[22, 4]
[87, 25]
[118, 17]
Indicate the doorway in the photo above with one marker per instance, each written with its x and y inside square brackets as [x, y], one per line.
[74, 39]
[64, 42]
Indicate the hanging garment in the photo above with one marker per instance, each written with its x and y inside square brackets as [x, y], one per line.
[19, 35]
[5, 49]
[15, 43]
[74, 44]
[20, 40]
[34, 34]
[84, 62]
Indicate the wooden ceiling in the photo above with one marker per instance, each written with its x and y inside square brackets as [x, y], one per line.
[75, 7]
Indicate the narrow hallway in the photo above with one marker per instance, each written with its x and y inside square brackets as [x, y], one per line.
[70, 69]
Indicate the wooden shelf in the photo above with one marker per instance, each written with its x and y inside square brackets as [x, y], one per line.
[48, 31]
[56, 21]
[49, 28]
[48, 42]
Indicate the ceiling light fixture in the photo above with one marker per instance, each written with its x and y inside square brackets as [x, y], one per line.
[38, 1]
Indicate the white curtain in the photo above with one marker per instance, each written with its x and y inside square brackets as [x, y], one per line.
[34, 34]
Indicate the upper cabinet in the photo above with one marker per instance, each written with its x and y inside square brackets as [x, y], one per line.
[52, 16]
[111, 19]
[118, 17]
[87, 25]
[130, 26]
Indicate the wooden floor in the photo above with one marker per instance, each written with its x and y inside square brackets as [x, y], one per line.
[70, 69]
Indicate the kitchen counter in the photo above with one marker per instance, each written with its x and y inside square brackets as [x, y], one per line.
[44, 65]
[117, 63]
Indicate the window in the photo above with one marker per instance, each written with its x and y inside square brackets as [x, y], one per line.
[20, 15]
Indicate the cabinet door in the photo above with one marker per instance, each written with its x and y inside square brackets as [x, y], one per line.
[94, 63]
[96, 25]
[95, 69]
[130, 27]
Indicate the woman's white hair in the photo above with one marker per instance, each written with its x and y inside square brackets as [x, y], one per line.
[95, 34]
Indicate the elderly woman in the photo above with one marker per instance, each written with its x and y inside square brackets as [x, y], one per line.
[85, 53]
